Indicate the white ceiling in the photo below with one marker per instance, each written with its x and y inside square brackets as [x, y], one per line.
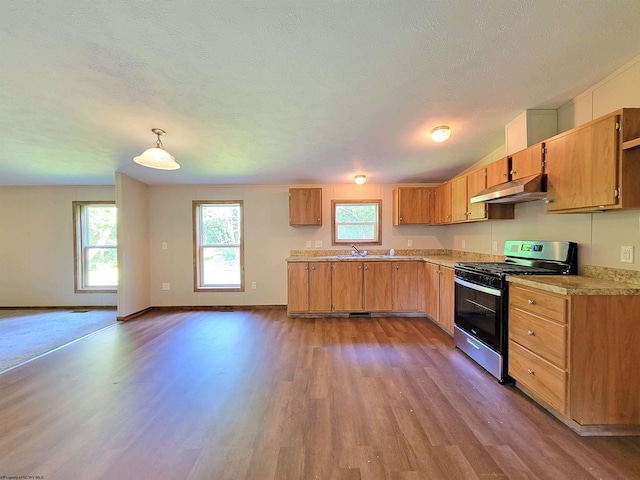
[287, 92]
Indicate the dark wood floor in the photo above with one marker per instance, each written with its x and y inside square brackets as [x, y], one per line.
[255, 395]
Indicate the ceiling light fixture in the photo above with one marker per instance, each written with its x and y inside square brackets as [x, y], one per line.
[360, 179]
[441, 133]
[157, 157]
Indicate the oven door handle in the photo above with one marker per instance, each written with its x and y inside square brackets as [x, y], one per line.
[474, 286]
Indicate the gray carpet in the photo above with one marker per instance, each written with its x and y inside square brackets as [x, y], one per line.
[27, 334]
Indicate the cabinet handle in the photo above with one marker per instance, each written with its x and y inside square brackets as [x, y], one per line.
[366, 268]
[318, 220]
[401, 218]
[397, 267]
[531, 302]
[531, 333]
[529, 371]
[313, 268]
[360, 267]
[513, 172]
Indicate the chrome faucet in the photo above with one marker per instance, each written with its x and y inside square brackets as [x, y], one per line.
[355, 248]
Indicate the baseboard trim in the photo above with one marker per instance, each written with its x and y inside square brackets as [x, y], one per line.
[134, 315]
[69, 307]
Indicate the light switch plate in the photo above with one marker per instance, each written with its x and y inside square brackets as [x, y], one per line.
[494, 246]
[308, 243]
[166, 286]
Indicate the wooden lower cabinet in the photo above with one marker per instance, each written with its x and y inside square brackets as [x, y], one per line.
[578, 356]
[355, 286]
[378, 291]
[309, 287]
[439, 295]
[347, 286]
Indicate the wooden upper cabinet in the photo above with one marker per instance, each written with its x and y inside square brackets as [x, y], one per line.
[595, 166]
[305, 206]
[459, 200]
[413, 206]
[442, 204]
[498, 172]
[476, 182]
[527, 162]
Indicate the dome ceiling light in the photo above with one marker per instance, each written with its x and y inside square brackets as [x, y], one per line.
[441, 133]
[360, 179]
[157, 157]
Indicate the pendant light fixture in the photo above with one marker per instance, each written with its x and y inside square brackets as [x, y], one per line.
[157, 157]
[441, 133]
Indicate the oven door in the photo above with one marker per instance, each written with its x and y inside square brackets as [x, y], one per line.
[479, 311]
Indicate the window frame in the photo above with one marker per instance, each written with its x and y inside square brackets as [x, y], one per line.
[198, 248]
[334, 231]
[80, 244]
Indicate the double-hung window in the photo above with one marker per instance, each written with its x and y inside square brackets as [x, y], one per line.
[218, 240]
[356, 222]
[96, 246]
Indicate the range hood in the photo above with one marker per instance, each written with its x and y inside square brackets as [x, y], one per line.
[524, 189]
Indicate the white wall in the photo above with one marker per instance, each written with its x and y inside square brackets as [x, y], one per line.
[268, 239]
[36, 246]
[133, 245]
[600, 235]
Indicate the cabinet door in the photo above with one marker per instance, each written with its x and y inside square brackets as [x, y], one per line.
[446, 298]
[411, 206]
[347, 286]
[498, 172]
[432, 290]
[459, 199]
[305, 206]
[378, 287]
[582, 167]
[443, 203]
[476, 182]
[319, 287]
[406, 286]
[298, 287]
[527, 162]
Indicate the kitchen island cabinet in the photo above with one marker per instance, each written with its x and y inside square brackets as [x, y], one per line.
[576, 355]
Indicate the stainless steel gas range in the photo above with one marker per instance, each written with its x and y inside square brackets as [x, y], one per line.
[482, 297]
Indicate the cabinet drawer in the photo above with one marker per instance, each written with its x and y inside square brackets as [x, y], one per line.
[541, 377]
[538, 303]
[544, 338]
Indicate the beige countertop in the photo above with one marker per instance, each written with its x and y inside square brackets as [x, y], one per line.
[576, 285]
[444, 260]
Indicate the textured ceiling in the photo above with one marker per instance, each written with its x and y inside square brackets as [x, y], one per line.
[287, 92]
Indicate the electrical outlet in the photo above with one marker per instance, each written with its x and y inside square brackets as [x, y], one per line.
[464, 244]
[164, 245]
[166, 286]
[409, 243]
[318, 243]
[308, 243]
[626, 254]
[253, 285]
[494, 246]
